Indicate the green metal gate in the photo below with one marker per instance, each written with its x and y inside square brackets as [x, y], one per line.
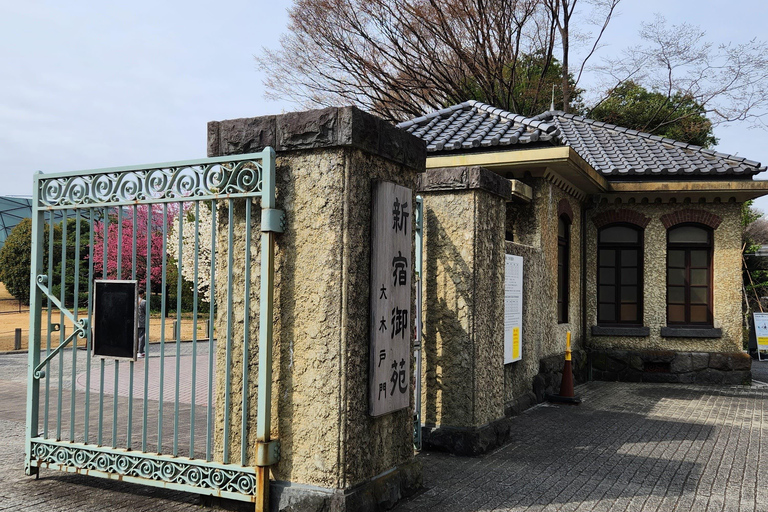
[160, 420]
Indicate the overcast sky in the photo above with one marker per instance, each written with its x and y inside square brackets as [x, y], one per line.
[89, 84]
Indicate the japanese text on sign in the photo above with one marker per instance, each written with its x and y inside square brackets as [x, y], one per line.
[391, 269]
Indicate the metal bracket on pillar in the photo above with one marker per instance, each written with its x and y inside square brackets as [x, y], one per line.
[272, 220]
[267, 453]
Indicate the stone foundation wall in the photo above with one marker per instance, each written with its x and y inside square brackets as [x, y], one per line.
[669, 366]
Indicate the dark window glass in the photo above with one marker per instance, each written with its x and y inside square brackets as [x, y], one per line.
[699, 259]
[629, 275]
[563, 259]
[606, 293]
[629, 258]
[676, 295]
[629, 311]
[698, 295]
[619, 235]
[688, 235]
[629, 294]
[676, 276]
[607, 312]
[607, 258]
[689, 267]
[699, 314]
[607, 276]
[676, 259]
[699, 277]
[675, 314]
[619, 275]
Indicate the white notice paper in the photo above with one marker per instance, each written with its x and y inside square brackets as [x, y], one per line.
[513, 308]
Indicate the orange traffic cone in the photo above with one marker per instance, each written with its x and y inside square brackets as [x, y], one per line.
[566, 395]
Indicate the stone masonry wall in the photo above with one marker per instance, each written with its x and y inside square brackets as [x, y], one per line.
[463, 306]
[726, 282]
[543, 337]
[324, 174]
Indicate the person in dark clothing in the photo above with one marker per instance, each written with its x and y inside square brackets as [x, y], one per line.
[142, 320]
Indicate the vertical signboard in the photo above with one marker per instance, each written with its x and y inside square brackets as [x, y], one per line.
[761, 332]
[391, 270]
[513, 308]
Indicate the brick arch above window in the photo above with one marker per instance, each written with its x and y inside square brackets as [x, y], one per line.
[620, 215]
[691, 215]
[564, 208]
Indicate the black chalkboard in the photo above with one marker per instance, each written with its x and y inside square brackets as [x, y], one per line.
[114, 319]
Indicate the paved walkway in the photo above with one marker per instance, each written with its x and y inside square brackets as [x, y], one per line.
[628, 447]
[153, 364]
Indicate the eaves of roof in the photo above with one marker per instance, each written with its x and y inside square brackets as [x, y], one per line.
[615, 152]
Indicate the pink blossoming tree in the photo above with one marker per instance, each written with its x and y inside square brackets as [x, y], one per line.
[154, 233]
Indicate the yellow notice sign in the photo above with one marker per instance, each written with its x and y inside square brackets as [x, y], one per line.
[516, 344]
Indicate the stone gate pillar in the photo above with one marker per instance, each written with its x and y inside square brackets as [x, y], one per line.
[334, 455]
[463, 300]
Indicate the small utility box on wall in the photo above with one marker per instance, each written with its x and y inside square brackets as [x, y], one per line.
[114, 319]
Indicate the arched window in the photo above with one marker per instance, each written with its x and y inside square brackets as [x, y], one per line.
[619, 275]
[563, 259]
[689, 275]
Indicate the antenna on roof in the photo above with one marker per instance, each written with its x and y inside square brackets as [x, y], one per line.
[552, 105]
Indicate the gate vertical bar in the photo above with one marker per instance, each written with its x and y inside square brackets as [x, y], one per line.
[162, 329]
[228, 347]
[74, 342]
[264, 406]
[116, 363]
[62, 298]
[48, 335]
[246, 336]
[177, 330]
[417, 441]
[91, 240]
[194, 335]
[36, 304]
[211, 316]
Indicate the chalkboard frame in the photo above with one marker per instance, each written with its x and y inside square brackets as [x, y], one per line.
[101, 348]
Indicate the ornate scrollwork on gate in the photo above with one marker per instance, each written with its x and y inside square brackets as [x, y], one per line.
[181, 472]
[183, 182]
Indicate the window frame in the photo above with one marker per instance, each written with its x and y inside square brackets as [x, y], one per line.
[563, 270]
[687, 247]
[617, 247]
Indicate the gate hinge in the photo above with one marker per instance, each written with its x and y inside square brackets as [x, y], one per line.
[267, 453]
[272, 220]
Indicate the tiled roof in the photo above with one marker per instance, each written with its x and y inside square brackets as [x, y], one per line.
[612, 150]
